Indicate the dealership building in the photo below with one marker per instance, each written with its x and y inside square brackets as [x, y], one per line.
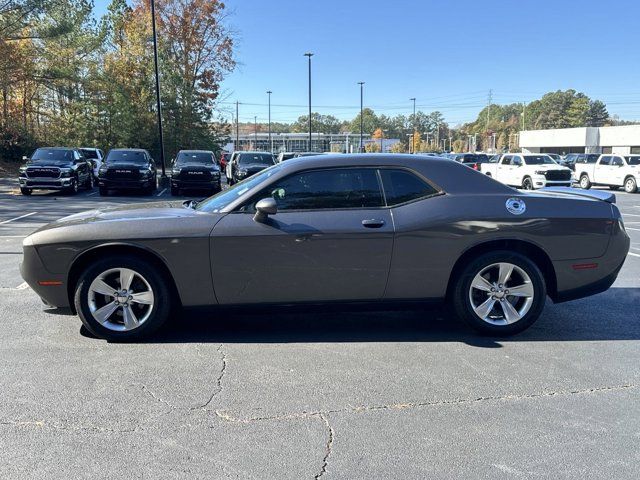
[622, 140]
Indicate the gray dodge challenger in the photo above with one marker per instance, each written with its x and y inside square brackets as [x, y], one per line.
[361, 229]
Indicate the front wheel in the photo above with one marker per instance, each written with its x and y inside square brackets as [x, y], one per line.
[499, 293]
[122, 298]
[25, 191]
[73, 188]
[527, 184]
[585, 183]
[630, 185]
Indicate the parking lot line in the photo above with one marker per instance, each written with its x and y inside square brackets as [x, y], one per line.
[92, 193]
[18, 218]
[631, 215]
[634, 254]
[634, 229]
[161, 192]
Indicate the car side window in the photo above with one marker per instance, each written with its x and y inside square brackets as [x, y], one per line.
[402, 186]
[606, 160]
[327, 189]
[616, 161]
[506, 160]
[516, 161]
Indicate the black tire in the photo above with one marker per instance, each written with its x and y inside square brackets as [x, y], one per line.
[461, 301]
[614, 187]
[630, 185]
[26, 191]
[88, 185]
[527, 183]
[73, 189]
[160, 309]
[104, 192]
[175, 191]
[584, 182]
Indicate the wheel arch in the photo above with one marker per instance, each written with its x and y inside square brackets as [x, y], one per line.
[82, 261]
[530, 250]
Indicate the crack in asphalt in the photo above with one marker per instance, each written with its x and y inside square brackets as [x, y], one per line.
[328, 446]
[157, 398]
[413, 405]
[60, 426]
[218, 388]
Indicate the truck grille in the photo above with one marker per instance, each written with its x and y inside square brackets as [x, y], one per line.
[558, 175]
[123, 174]
[195, 175]
[43, 172]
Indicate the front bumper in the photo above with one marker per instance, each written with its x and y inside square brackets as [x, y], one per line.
[540, 181]
[51, 287]
[196, 185]
[124, 184]
[45, 183]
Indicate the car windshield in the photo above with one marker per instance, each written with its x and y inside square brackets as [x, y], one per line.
[126, 156]
[51, 156]
[256, 159]
[202, 158]
[224, 198]
[89, 153]
[538, 160]
[633, 160]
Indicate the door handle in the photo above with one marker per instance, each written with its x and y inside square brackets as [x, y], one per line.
[373, 223]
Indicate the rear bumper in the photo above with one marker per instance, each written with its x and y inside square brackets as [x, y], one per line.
[50, 287]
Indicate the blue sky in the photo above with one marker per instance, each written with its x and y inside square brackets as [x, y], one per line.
[447, 54]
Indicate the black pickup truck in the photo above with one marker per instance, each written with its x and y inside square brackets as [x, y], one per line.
[195, 170]
[128, 169]
[55, 168]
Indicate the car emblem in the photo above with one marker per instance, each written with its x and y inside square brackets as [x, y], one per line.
[194, 173]
[516, 206]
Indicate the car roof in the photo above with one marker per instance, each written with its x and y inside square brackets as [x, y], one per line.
[195, 151]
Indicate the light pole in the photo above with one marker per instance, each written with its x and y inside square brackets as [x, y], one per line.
[361, 149]
[381, 139]
[410, 135]
[414, 120]
[270, 144]
[158, 103]
[255, 131]
[237, 146]
[309, 55]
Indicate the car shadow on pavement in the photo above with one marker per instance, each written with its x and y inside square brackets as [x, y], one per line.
[609, 316]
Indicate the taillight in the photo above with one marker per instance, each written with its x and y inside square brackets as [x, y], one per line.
[475, 166]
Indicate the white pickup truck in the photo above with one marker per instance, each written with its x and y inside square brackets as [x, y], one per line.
[528, 171]
[612, 170]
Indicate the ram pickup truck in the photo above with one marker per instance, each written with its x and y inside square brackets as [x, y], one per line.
[611, 170]
[528, 171]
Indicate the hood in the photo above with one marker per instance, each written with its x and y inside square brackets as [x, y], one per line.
[549, 167]
[136, 213]
[124, 166]
[254, 167]
[197, 166]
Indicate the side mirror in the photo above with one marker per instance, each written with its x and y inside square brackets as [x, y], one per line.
[25, 158]
[264, 208]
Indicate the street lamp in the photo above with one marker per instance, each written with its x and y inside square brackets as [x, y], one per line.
[361, 117]
[414, 118]
[255, 131]
[270, 144]
[158, 103]
[309, 55]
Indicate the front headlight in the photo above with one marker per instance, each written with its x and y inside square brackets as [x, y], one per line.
[540, 172]
[145, 172]
[176, 171]
[242, 173]
[66, 173]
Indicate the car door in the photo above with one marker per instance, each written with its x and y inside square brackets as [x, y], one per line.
[515, 171]
[602, 171]
[504, 169]
[617, 171]
[330, 240]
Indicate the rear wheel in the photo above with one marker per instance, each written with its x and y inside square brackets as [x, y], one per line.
[175, 191]
[25, 191]
[630, 185]
[499, 293]
[527, 183]
[585, 182]
[122, 298]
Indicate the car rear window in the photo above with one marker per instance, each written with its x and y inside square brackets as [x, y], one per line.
[402, 186]
[633, 160]
[126, 156]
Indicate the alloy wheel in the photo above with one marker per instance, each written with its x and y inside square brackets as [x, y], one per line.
[120, 299]
[501, 293]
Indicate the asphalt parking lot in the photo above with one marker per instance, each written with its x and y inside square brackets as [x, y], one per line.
[316, 394]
